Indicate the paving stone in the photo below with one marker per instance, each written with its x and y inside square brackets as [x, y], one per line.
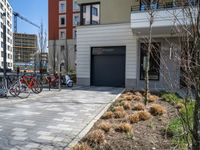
[51, 119]
[32, 145]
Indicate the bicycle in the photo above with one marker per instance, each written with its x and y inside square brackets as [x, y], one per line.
[26, 84]
[7, 86]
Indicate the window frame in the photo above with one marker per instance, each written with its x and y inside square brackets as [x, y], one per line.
[82, 11]
[65, 6]
[142, 57]
[60, 20]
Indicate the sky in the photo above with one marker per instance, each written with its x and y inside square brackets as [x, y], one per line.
[33, 10]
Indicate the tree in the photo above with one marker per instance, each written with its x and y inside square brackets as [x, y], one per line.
[42, 40]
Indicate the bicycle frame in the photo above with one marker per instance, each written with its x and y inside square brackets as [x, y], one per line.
[30, 84]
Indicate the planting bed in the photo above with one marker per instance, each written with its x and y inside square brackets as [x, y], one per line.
[130, 125]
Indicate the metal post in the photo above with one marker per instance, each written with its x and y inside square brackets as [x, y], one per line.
[59, 62]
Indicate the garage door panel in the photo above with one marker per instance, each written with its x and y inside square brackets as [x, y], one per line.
[108, 69]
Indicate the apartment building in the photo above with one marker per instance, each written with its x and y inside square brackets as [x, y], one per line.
[64, 16]
[112, 43]
[6, 7]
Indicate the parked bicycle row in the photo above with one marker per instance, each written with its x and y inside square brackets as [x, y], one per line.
[22, 86]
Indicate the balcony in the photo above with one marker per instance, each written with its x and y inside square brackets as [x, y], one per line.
[166, 16]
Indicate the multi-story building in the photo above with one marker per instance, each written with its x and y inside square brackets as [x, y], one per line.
[6, 7]
[25, 47]
[112, 43]
[63, 17]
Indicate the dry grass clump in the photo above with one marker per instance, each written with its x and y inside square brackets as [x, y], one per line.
[152, 98]
[82, 146]
[127, 105]
[119, 108]
[95, 137]
[124, 127]
[129, 97]
[134, 118]
[138, 94]
[137, 98]
[120, 114]
[139, 106]
[105, 126]
[144, 115]
[156, 109]
[107, 115]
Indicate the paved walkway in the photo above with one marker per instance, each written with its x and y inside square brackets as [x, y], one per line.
[51, 121]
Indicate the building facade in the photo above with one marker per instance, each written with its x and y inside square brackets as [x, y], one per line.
[6, 7]
[63, 17]
[112, 44]
[24, 50]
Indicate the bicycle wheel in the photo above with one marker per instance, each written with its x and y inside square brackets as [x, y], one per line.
[22, 90]
[37, 87]
[13, 89]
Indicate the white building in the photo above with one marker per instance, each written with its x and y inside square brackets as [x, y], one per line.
[6, 7]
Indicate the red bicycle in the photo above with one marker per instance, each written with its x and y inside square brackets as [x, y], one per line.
[25, 84]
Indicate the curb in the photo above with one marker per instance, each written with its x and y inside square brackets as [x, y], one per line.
[87, 128]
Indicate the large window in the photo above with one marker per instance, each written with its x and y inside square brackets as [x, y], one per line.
[90, 14]
[154, 70]
[62, 6]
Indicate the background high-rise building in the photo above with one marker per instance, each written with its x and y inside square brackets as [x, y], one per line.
[63, 17]
[6, 7]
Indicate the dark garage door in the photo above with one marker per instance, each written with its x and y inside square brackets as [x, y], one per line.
[108, 66]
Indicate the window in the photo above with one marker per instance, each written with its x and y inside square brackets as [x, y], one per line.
[62, 21]
[76, 6]
[62, 34]
[94, 11]
[147, 4]
[154, 70]
[76, 20]
[62, 7]
[90, 14]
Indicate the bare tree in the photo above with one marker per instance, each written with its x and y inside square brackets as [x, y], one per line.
[42, 40]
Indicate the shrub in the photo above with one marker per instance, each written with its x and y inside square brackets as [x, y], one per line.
[82, 146]
[107, 115]
[180, 106]
[176, 132]
[144, 115]
[139, 106]
[127, 105]
[134, 118]
[95, 137]
[124, 127]
[157, 109]
[172, 98]
[120, 114]
[105, 126]
[118, 108]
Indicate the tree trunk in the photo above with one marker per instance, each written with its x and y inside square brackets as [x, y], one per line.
[196, 127]
[148, 59]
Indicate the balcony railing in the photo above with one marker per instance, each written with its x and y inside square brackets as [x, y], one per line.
[159, 6]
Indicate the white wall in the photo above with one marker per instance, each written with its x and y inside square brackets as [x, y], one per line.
[105, 35]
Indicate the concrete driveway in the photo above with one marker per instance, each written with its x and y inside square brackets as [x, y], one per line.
[52, 121]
